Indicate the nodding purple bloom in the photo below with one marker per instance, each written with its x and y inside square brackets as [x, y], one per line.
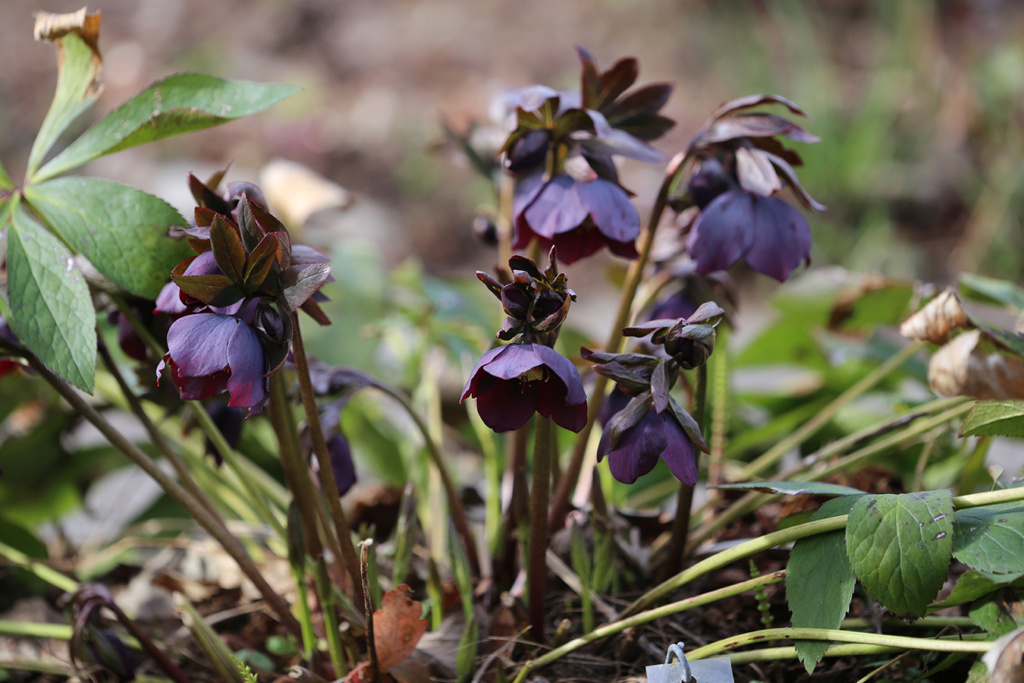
[656, 435]
[771, 235]
[513, 382]
[342, 466]
[210, 353]
[577, 217]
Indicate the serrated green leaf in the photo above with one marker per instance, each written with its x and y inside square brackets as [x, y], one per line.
[994, 418]
[900, 547]
[51, 309]
[122, 231]
[970, 587]
[994, 612]
[819, 582]
[794, 488]
[991, 538]
[177, 104]
[79, 67]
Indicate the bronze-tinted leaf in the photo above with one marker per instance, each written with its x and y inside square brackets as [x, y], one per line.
[794, 182]
[616, 81]
[646, 100]
[227, 248]
[214, 290]
[964, 367]
[750, 101]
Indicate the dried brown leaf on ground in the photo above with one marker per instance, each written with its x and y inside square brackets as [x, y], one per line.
[964, 368]
[397, 628]
[937, 320]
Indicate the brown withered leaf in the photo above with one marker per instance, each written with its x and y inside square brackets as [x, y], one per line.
[1005, 661]
[937, 320]
[965, 367]
[50, 27]
[397, 627]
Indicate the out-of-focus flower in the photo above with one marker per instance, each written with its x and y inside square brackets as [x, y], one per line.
[228, 420]
[739, 167]
[655, 435]
[577, 217]
[342, 466]
[513, 382]
[771, 235]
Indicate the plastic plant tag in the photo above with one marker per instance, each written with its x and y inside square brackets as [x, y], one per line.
[713, 670]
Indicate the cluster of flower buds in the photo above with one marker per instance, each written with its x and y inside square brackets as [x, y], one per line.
[513, 382]
[235, 298]
[739, 167]
[645, 422]
[562, 144]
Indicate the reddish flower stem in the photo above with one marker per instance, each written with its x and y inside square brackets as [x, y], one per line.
[539, 494]
[567, 482]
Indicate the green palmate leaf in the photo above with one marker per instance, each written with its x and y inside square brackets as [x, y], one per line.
[49, 301]
[991, 538]
[122, 231]
[178, 104]
[793, 488]
[820, 581]
[994, 418]
[79, 67]
[900, 547]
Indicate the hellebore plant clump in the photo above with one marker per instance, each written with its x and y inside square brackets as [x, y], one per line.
[210, 306]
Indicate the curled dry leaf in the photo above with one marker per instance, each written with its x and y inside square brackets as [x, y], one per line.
[960, 369]
[296, 192]
[397, 628]
[937, 320]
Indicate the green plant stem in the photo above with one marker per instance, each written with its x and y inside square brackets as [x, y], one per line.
[771, 654]
[211, 523]
[809, 428]
[924, 622]
[750, 501]
[30, 629]
[543, 437]
[257, 496]
[645, 617]
[44, 572]
[371, 638]
[675, 551]
[953, 644]
[567, 482]
[38, 666]
[455, 507]
[331, 626]
[161, 444]
[327, 482]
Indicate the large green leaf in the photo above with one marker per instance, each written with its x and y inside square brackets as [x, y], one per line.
[994, 418]
[50, 305]
[820, 581]
[79, 67]
[121, 230]
[971, 586]
[178, 104]
[991, 538]
[900, 547]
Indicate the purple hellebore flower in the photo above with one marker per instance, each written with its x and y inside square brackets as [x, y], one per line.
[576, 216]
[655, 435]
[512, 382]
[341, 463]
[210, 353]
[772, 235]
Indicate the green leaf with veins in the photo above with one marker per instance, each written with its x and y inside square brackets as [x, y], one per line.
[820, 581]
[900, 547]
[122, 231]
[50, 305]
[79, 68]
[994, 418]
[178, 104]
[991, 538]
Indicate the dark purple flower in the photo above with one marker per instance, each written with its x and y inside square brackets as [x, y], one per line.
[512, 382]
[575, 216]
[772, 235]
[341, 463]
[656, 435]
[210, 353]
[229, 422]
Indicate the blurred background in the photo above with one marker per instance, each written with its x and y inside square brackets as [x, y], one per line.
[919, 105]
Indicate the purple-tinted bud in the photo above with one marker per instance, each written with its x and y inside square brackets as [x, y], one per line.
[528, 152]
[709, 181]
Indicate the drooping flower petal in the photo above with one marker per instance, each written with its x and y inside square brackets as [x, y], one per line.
[656, 435]
[723, 232]
[506, 405]
[781, 238]
[247, 384]
[198, 343]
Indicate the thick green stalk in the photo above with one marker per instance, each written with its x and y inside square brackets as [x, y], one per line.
[567, 482]
[952, 644]
[771, 654]
[675, 551]
[543, 436]
[42, 571]
[648, 616]
[211, 523]
[327, 482]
